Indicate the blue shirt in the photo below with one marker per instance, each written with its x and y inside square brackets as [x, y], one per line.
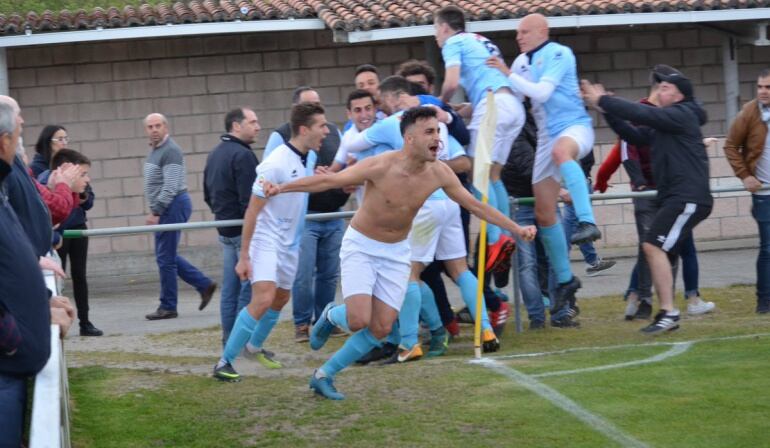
[556, 64]
[470, 51]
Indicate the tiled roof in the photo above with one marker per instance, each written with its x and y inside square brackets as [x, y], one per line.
[348, 15]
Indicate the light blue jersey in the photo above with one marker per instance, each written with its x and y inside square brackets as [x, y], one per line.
[470, 51]
[555, 64]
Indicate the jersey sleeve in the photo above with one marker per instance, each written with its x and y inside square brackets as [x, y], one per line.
[454, 149]
[452, 53]
[386, 132]
[266, 172]
[557, 63]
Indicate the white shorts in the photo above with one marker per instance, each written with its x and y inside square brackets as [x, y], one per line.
[374, 268]
[545, 167]
[437, 232]
[271, 262]
[510, 120]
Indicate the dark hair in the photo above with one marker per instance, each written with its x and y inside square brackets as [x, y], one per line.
[298, 93]
[303, 114]
[411, 116]
[43, 145]
[366, 68]
[414, 67]
[65, 155]
[234, 116]
[452, 16]
[357, 95]
[764, 73]
[395, 84]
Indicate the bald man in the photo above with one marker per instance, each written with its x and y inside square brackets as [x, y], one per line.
[546, 73]
[165, 189]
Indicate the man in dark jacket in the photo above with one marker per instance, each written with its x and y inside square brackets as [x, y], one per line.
[23, 296]
[319, 261]
[227, 179]
[680, 168]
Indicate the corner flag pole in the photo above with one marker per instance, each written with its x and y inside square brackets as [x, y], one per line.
[481, 165]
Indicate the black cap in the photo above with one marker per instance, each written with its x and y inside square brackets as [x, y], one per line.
[662, 70]
[681, 82]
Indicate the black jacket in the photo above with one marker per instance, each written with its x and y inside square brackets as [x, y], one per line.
[227, 180]
[517, 171]
[325, 201]
[29, 208]
[23, 293]
[680, 165]
[39, 164]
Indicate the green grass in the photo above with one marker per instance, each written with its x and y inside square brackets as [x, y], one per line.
[715, 394]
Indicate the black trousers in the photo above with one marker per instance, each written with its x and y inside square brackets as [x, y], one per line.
[76, 249]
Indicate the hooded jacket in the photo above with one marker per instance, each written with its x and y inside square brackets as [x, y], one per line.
[680, 165]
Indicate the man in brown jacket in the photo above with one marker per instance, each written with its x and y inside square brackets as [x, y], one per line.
[748, 151]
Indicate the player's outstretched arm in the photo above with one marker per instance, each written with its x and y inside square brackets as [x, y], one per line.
[353, 175]
[459, 194]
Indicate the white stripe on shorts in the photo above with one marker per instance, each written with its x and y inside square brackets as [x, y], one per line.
[676, 229]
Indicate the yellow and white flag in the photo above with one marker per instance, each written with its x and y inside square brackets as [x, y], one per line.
[482, 160]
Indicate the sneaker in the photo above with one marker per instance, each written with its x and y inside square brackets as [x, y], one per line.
[499, 318]
[573, 312]
[377, 353]
[464, 316]
[225, 372]
[489, 342]
[88, 329]
[565, 293]
[499, 254]
[599, 267]
[322, 329]
[206, 295]
[663, 322]
[324, 386]
[645, 308]
[763, 306]
[586, 232]
[264, 357]
[439, 342]
[410, 354]
[696, 306]
[453, 328]
[564, 322]
[536, 325]
[301, 333]
[632, 306]
[160, 313]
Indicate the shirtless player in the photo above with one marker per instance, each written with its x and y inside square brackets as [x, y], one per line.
[375, 250]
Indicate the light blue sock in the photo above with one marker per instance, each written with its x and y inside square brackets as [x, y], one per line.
[428, 309]
[394, 337]
[239, 335]
[493, 232]
[556, 248]
[575, 180]
[338, 316]
[361, 343]
[409, 316]
[469, 284]
[264, 327]
[501, 195]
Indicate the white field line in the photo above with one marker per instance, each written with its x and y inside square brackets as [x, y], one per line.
[615, 347]
[677, 349]
[594, 421]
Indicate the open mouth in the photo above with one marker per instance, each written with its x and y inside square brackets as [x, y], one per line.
[433, 150]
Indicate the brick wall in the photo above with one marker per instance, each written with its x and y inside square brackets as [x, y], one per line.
[101, 92]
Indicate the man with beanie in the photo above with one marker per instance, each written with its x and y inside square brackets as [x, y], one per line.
[681, 169]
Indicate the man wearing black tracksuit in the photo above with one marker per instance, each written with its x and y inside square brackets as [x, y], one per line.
[680, 169]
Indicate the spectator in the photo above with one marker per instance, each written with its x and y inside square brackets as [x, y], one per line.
[319, 246]
[76, 249]
[166, 193]
[52, 138]
[227, 179]
[24, 308]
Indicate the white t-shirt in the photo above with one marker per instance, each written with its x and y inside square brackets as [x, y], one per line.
[281, 219]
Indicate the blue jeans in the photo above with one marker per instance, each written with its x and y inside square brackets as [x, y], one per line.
[760, 209]
[13, 402]
[526, 256]
[318, 269]
[570, 222]
[169, 263]
[235, 293]
[690, 268]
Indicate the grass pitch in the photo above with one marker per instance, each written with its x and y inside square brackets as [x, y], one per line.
[714, 392]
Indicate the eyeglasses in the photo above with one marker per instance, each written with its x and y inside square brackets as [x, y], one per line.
[61, 139]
